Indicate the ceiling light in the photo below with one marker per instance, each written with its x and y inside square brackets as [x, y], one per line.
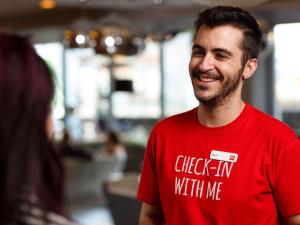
[158, 2]
[80, 39]
[47, 4]
[111, 49]
[239, 3]
[118, 40]
[109, 41]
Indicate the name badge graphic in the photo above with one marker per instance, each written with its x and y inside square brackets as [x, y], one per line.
[223, 156]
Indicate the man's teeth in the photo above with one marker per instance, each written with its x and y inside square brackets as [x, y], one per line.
[203, 79]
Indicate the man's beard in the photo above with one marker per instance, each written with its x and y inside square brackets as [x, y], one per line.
[228, 86]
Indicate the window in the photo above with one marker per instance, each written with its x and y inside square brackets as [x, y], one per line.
[179, 95]
[52, 53]
[287, 72]
[144, 71]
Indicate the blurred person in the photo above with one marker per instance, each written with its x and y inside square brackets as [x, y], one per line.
[68, 148]
[31, 180]
[113, 147]
[223, 162]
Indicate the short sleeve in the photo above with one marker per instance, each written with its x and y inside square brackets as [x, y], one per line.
[148, 190]
[287, 181]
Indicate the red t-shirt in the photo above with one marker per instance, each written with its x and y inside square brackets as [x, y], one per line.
[247, 172]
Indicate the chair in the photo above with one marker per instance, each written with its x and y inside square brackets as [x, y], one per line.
[121, 199]
[84, 177]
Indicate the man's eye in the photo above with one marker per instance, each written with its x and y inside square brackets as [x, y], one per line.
[221, 56]
[198, 53]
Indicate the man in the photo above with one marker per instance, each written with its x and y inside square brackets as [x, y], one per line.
[224, 162]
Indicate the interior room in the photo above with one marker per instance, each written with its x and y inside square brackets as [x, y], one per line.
[121, 66]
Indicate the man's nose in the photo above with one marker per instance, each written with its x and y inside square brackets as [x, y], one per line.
[206, 63]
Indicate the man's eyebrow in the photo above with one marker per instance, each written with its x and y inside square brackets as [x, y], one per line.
[223, 50]
[196, 46]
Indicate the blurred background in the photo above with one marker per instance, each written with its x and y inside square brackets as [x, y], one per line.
[122, 65]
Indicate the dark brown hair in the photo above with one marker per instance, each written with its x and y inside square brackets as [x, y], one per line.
[28, 160]
[239, 18]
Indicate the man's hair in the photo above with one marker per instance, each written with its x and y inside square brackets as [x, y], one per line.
[236, 17]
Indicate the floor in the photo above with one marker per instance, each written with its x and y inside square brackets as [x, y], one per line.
[91, 214]
[94, 211]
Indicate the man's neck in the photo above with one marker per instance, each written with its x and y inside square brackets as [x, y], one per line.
[220, 115]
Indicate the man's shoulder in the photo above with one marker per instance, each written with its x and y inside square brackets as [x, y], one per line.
[272, 125]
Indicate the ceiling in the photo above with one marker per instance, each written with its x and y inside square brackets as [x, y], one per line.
[142, 16]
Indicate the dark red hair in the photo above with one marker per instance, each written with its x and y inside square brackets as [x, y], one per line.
[28, 160]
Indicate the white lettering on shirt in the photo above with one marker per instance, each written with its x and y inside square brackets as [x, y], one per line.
[203, 185]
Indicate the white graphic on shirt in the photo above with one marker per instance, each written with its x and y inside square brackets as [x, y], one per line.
[200, 167]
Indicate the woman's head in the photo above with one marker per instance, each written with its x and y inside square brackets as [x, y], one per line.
[26, 86]
[27, 157]
[113, 137]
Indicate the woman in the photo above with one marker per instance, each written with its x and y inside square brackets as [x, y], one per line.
[31, 180]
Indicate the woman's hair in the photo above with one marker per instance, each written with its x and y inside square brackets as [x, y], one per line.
[29, 165]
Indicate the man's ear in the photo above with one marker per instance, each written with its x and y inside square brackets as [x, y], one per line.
[250, 68]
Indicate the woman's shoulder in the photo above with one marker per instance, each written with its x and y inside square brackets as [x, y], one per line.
[31, 210]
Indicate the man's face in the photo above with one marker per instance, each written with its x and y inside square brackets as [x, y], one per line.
[215, 65]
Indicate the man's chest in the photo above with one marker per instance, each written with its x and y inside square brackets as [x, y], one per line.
[214, 172]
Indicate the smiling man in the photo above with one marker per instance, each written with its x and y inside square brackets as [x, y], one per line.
[223, 162]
